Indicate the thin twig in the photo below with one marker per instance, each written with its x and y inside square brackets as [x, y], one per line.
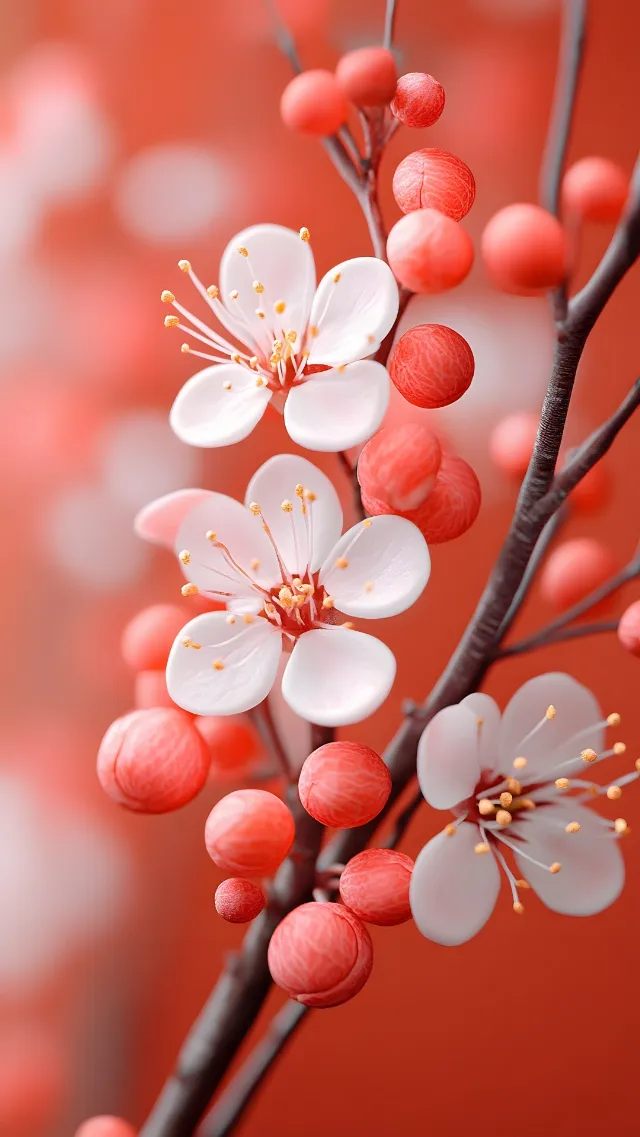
[402, 821]
[544, 638]
[547, 537]
[389, 24]
[268, 731]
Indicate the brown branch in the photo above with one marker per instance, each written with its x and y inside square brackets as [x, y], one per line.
[544, 638]
[268, 731]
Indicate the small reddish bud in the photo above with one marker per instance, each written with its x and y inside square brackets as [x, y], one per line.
[238, 900]
[232, 742]
[148, 637]
[400, 465]
[321, 955]
[450, 509]
[344, 784]
[150, 690]
[35, 1076]
[153, 761]
[595, 189]
[419, 100]
[429, 252]
[249, 833]
[575, 569]
[313, 103]
[511, 443]
[431, 365]
[375, 885]
[368, 76]
[629, 629]
[105, 1127]
[434, 179]
[524, 249]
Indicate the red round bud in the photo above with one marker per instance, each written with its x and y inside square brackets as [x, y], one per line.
[153, 761]
[344, 784]
[34, 1076]
[368, 76]
[575, 569]
[429, 252]
[375, 885]
[321, 955]
[431, 365]
[148, 637]
[419, 100]
[249, 833]
[400, 465]
[511, 443]
[593, 491]
[595, 189]
[313, 103]
[233, 743]
[105, 1127]
[524, 249]
[629, 629]
[150, 690]
[434, 179]
[450, 509]
[238, 900]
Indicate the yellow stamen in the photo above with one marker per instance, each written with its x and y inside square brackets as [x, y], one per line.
[367, 522]
[562, 783]
[481, 848]
[185, 349]
[243, 252]
[619, 748]
[614, 719]
[505, 800]
[184, 556]
[279, 307]
[184, 266]
[171, 321]
[248, 618]
[305, 234]
[368, 586]
[255, 564]
[328, 602]
[620, 825]
[167, 297]
[258, 287]
[555, 867]
[614, 792]
[450, 829]
[572, 827]
[342, 563]
[589, 755]
[213, 291]
[227, 385]
[336, 277]
[513, 785]
[519, 763]
[485, 807]
[211, 535]
[218, 665]
[551, 712]
[522, 883]
[287, 506]
[189, 590]
[503, 817]
[518, 908]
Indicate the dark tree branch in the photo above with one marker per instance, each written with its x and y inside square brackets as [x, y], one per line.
[544, 638]
[570, 59]
[389, 24]
[546, 539]
[266, 727]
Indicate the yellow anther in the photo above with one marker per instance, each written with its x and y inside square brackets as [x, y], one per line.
[248, 618]
[286, 506]
[518, 908]
[562, 783]
[614, 719]
[211, 535]
[213, 291]
[184, 348]
[513, 785]
[485, 807]
[277, 345]
[255, 564]
[519, 763]
[236, 357]
[481, 847]
[254, 508]
[291, 337]
[299, 490]
[328, 602]
[555, 867]
[260, 382]
[368, 586]
[450, 829]
[253, 362]
[231, 618]
[367, 522]
[314, 330]
[234, 294]
[371, 339]
[218, 665]
[505, 800]
[171, 321]
[184, 266]
[305, 234]
[309, 495]
[227, 385]
[279, 307]
[258, 286]
[348, 625]
[526, 803]
[342, 563]
[614, 792]
[479, 721]
[260, 314]
[336, 277]
[189, 590]
[188, 642]
[619, 748]
[167, 297]
[620, 825]
[503, 817]
[522, 883]
[572, 827]
[285, 593]
[184, 556]
[589, 755]
[243, 252]
[551, 712]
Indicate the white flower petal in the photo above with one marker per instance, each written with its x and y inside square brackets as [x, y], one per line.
[244, 538]
[388, 566]
[276, 482]
[160, 521]
[573, 729]
[354, 314]
[448, 763]
[206, 414]
[280, 261]
[335, 409]
[488, 710]
[250, 655]
[592, 873]
[337, 676]
[453, 890]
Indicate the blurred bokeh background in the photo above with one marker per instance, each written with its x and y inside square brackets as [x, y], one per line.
[131, 134]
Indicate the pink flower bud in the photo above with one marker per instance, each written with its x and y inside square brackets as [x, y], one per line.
[153, 761]
[595, 189]
[105, 1127]
[249, 833]
[375, 885]
[450, 509]
[313, 103]
[511, 443]
[575, 569]
[150, 690]
[434, 179]
[400, 464]
[238, 900]
[321, 955]
[233, 743]
[344, 784]
[148, 637]
[524, 249]
[419, 100]
[429, 252]
[367, 77]
[629, 629]
[431, 365]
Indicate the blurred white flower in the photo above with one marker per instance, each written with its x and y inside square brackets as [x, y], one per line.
[90, 537]
[143, 459]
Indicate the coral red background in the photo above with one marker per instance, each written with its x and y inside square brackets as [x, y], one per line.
[528, 1028]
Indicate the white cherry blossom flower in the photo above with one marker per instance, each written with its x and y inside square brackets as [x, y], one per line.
[514, 786]
[284, 341]
[288, 578]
